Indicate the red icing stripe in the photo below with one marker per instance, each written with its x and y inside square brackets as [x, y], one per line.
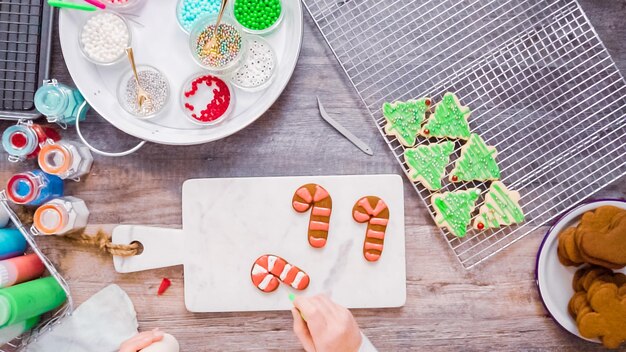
[305, 194]
[300, 207]
[320, 193]
[319, 211]
[370, 245]
[379, 221]
[372, 257]
[317, 242]
[375, 234]
[318, 226]
[304, 283]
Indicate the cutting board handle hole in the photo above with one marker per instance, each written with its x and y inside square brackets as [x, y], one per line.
[139, 247]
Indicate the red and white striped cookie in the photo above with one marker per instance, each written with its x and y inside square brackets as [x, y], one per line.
[269, 270]
[317, 198]
[373, 211]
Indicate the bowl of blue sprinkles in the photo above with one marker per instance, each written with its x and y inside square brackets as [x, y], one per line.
[189, 11]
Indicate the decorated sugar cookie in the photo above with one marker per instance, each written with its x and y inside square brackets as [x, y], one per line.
[454, 210]
[501, 208]
[269, 270]
[449, 120]
[477, 162]
[427, 163]
[404, 119]
[373, 211]
[316, 198]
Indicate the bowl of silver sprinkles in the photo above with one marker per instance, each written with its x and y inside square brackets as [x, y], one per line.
[156, 85]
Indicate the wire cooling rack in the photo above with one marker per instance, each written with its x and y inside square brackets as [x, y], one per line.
[25, 33]
[541, 85]
[51, 319]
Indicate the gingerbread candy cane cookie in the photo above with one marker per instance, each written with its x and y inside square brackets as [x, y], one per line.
[269, 270]
[375, 213]
[317, 198]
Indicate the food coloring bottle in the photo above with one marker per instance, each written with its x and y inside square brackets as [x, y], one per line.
[20, 269]
[60, 103]
[68, 160]
[22, 141]
[60, 216]
[10, 332]
[12, 243]
[29, 299]
[34, 188]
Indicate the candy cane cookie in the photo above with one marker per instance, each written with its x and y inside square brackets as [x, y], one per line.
[317, 198]
[269, 270]
[375, 213]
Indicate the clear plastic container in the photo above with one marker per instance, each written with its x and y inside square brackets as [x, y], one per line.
[265, 31]
[207, 10]
[133, 108]
[198, 46]
[117, 59]
[128, 6]
[203, 95]
[258, 69]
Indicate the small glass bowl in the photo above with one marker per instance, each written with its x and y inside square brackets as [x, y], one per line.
[126, 7]
[179, 9]
[123, 84]
[82, 46]
[265, 31]
[186, 101]
[251, 61]
[202, 25]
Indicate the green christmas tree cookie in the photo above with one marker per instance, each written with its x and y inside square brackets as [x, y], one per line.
[404, 119]
[427, 163]
[449, 120]
[477, 162]
[454, 210]
[501, 208]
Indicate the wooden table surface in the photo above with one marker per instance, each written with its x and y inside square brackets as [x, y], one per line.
[492, 307]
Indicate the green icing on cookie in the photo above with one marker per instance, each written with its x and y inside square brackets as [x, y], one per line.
[404, 119]
[499, 208]
[454, 210]
[427, 163]
[477, 162]
[449, 119]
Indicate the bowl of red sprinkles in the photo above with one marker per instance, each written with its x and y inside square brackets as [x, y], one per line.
[207, 99]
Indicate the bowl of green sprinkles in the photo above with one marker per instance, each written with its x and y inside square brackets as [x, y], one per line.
[258, 16]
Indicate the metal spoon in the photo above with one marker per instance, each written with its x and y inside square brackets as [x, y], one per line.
[142, 95]
[210, 46]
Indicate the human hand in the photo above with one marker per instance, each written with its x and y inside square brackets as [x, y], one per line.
[328, 326]
[141, 341]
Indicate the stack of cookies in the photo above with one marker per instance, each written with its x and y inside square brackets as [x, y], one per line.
[599, 239]
[599, 304]
[599, 301]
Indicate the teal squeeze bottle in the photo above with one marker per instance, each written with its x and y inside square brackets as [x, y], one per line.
[29, 299]
[59, 103]
[12, 243]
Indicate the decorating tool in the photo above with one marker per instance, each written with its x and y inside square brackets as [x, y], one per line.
[71, 5]
[351, 137]
[211, 45]
[142, 95]
[292, 298]
[97, 4]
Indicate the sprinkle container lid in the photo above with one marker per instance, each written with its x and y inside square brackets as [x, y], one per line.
[49, 219]
[21, 189]
[54, 159]
[19, 140]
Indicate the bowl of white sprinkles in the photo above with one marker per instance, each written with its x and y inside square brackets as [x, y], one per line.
[104, 37]
[153, 82]
[257, 71]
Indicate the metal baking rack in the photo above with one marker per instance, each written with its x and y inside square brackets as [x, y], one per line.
[541, 85]
[25, 34]
[57, 316]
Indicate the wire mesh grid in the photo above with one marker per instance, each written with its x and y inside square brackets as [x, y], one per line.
[52, 319]
[541, 85]
[24, 55]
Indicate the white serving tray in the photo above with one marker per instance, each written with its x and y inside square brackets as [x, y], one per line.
[229, 222]
[554, 280]
[158, 41]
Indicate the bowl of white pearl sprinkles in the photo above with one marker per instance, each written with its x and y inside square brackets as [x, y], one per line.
[104, 37]
[154, 83]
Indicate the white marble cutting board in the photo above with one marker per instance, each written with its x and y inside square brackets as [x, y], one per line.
[229, 223]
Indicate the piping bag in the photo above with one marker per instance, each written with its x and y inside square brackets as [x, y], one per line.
[100, 324]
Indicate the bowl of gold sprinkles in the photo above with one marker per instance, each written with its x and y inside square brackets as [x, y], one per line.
[222, 54]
